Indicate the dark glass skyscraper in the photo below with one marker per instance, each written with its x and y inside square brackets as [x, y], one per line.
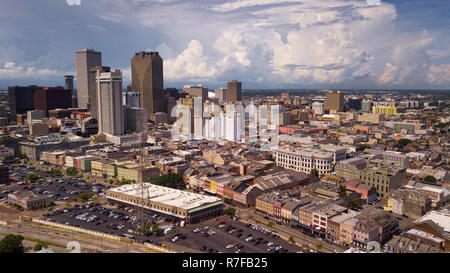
[147, 79]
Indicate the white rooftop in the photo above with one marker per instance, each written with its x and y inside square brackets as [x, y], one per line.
[440, 217]
[169, 196]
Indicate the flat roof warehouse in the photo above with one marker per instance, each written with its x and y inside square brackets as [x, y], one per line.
[173, 202]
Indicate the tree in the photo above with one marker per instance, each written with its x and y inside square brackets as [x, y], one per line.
[12, 244]
[230, 211]
[261, 173]
[32, 177]
[342, 191]
[315, 172]
[291, 239]
[404, 141]
[319, 246]
[40, 245]
[430, 178]
[84, 196]
[270, 224]
[71, 171]
[174, 181]
[55, 172]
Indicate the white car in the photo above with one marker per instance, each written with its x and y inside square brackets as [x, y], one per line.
[229, 246]
[248, 238]
[197, 230]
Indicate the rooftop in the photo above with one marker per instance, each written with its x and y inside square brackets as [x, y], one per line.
[164, 195]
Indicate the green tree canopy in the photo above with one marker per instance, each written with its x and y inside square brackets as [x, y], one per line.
[430, 178]
[404, 142]
[71, 171]
[315, 172]
[319, 246]
[12, 244]
[33, 177]
[55, 172]
[230, 211]
[342, 191]
[174, 181]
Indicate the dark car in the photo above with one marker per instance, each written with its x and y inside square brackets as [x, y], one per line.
[203, 248]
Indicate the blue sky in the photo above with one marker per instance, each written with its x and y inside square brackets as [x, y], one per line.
[263, 43]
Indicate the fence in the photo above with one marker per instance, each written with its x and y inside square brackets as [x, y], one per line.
[101, 234]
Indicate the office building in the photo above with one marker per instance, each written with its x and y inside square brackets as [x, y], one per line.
[386, 110]
[234, 91]
[131, 98]
[49, 98]
[318, 108]
[20, 99]
[34, 115]
[135, 119]
[147, 79]
[221, 94]
[85, 59]
[109, 102]
[196, 91]
[334, 100]
[366, 106]
[68, 79]
[92, 79]
[308, 158]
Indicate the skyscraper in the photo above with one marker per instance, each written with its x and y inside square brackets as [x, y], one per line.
[234, 91]
[109, 102]
[147, 79]
[92, 79]
[85, 59]
[334, 100]
[68, 79]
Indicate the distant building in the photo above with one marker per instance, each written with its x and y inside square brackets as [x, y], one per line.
[196, 91]
[221, 94]
[49, 98]
[34, 115]
[85, 60]
[4, 174]
[318, 108]
[21, 99]
[366, 106]
[109, 99]
[334, 100]
[234, 91]
[386, 110]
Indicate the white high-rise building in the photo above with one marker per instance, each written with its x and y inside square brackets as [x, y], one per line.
[318, 108]
[109, 99]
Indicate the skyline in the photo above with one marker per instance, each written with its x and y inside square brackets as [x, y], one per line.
[328, 44]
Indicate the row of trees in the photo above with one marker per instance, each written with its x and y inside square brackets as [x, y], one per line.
[174, 181]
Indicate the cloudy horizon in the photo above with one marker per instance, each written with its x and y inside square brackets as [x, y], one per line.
[347, 44]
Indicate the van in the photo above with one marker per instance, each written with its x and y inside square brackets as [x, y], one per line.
[129, 236]
[166, 231]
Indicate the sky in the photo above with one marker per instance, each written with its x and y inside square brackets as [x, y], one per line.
[396, 44]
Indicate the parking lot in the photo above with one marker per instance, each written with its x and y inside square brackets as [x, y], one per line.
[58, 189]
[222, 236]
